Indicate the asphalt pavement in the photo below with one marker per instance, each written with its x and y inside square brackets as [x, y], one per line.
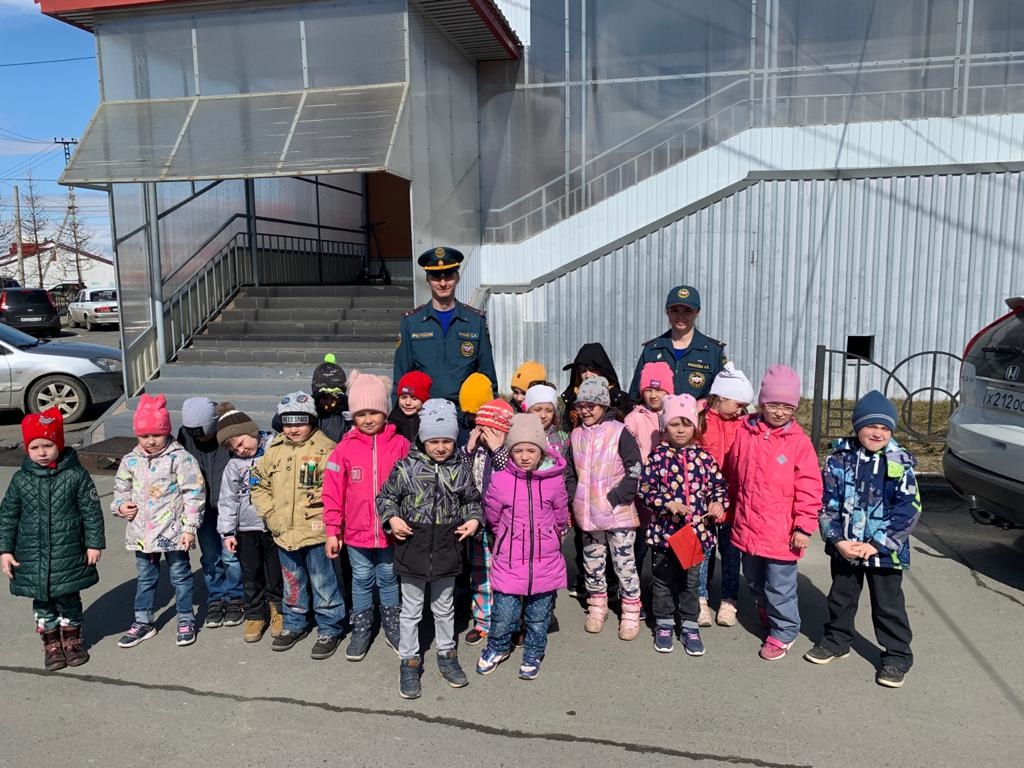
[598, 702]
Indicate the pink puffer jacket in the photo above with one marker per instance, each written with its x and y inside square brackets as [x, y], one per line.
[775, 486]
[643, 424]
[527, 513]
[599, 470]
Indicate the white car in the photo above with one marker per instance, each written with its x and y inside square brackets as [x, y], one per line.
[92, 307]
[984, 459]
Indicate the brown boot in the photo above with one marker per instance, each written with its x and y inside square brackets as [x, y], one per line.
[276, 621]
[74, 647]
[597, 612]
[53, 651]
[254, 629]
[629, 623]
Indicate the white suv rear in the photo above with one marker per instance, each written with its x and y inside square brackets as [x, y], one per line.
[984, 459]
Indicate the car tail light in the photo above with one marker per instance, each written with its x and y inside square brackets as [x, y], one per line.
[103, 309]
[3, 301]
[49, 298]
[983, 331]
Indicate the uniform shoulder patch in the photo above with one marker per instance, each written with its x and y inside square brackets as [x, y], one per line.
[651, 341]
[413, 311]
[716, 342]
[474, 310]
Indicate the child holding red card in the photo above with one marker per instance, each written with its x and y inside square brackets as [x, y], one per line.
[682, 485]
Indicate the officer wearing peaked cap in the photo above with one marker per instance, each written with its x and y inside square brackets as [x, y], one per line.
[444, 338]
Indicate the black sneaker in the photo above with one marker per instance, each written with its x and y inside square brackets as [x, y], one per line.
[214, 615]
[474, 636]
[409, 678]
[450, 669]
[234, 613]
[324, 647]
[890, 676]
[664, 642]
[361, 637]
[287, 639]
[138, 632]
[821, 655]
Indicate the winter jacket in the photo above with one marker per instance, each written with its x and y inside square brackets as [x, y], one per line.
[483, 463]
[212, 458]
[356, 470]
[527, 513]
[558, 442]
[643, 424]
[235, 511]
[870, 497]
[335, 423]
[688, 475]
[719, 435]
[287, 490]
[169, 491]
[606, 461]
[434, 499]
[408, 426]
[48, 518]
[775, 488]
[592, 357]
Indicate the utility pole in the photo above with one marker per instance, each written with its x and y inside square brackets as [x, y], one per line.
[17, 236]
[73, 210]
[68, 143]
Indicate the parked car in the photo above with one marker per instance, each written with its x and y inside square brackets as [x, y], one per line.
[984, 458]
[31, 310]
[92, 307]
[69, 375]
[64, 293]
[9, 282]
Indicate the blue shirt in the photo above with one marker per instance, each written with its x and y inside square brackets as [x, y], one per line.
[445, 318]
[679, 353]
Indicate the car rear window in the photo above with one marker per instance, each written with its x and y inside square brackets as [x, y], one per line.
[999, 347]
[28, 299]
[103, 296]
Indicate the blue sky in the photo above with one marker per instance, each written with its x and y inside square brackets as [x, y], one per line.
[42, 102]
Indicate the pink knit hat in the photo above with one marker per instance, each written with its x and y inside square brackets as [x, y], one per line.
[496, 414]
[676, 406]
[780, 385]
[151, 417]
[367, 392]
[657, 376]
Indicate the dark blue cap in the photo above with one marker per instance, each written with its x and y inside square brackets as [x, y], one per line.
[686, 295]
[440, 259]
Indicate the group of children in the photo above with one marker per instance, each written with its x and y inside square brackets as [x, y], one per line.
[412, 496]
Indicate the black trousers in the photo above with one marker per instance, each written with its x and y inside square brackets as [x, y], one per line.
[261, 573]
[671, 584]
[888, 611]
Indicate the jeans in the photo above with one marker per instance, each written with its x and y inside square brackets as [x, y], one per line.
[730, 566]
[773, 584]
[442, 605]
[63, 611]
[670, 583]
[221, 570]
[147, 564]
[371, 566]
[505, 614]
[261, 573]
[308, 570]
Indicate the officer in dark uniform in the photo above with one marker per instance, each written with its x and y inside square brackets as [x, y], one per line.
[695, 358]
[444, 338]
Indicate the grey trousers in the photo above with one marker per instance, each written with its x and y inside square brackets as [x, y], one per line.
[442, 605]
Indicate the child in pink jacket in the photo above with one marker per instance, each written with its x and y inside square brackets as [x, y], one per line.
[775, 486]
[356, 470]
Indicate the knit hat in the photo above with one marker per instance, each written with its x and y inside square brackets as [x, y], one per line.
[48, 425]
[594, 390]
[496, 414]
[657, 376]
[233, 422]
[526, 428]
[438, 420]
[415, 383]
[678, 406]
[874, 408]
[367, 392]
[527, 373]
[328, 376]
[199, 412]
[732, 384]
[474, 392]
[780, 385]
[541, 393]
[296, 408]
[151, 417]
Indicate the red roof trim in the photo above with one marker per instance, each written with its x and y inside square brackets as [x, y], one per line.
[55, 7]
[498, 28]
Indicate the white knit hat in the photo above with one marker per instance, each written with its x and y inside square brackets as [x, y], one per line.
[541, 393]
[732, 384]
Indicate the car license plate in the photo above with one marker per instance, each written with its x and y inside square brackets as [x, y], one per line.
[1004, 400]
[31, 319]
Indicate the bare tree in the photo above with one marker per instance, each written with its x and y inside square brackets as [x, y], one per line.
[6, 231]
[75, 238]
[34, 224]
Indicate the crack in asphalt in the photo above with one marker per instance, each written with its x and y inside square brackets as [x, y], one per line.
[959, 557]
[452, 722]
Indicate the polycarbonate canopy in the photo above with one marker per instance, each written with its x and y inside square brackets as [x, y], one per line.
[287, 133]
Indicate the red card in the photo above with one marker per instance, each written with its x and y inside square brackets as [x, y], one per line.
[686, 545]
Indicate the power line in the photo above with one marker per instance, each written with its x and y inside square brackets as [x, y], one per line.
[45, 61]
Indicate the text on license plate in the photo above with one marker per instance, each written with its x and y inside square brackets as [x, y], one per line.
[31, 319]
[1004, 400]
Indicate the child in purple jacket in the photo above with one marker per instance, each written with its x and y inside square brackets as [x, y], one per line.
[526, 506]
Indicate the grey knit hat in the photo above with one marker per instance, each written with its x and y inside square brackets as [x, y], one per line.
[297, 408]
[594, 390]
[200, 412]
[233, 422]
[438, 420]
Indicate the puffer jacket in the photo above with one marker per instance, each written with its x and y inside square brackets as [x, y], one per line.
[719, 435]
[870, 497]
[212, 459]
[688, 475]
[287, 490]
[356, 470]
[528, 512]
[434, 499]
[775, 487]
[235, 511]
[169, 491]
[48, 518]
[643, 424]
[607, 464]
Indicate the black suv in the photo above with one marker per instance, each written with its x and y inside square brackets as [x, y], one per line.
[30, 310]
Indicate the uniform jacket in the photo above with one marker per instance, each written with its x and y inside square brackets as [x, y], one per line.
[694, 371]
[169, 491]
[775, 488]
[434, 499]
[48, 518]
[719, 435]
[607, 465]
[870, 497]
[447, 358]
[356, 470]
[235, 511]
[527, 513]
[688, 475]
[287, 492]
[212, 458]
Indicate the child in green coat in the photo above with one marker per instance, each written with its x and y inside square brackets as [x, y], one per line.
[51, 536]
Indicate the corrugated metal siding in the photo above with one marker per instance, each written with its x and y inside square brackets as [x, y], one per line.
[921, 263]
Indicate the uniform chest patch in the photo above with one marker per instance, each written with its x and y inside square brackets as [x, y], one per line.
[467, 348]
[696, 379]
[468, 335]
[422, 335]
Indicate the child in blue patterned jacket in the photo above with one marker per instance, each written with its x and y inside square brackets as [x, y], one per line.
[871, 504]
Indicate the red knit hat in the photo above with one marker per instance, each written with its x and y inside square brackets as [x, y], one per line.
[48, 425]
[415, 383]
[497, 414]
[151, 417]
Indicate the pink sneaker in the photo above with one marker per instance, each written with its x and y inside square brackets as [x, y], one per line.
[773, 649]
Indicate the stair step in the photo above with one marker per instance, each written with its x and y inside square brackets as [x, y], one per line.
[403, 303]
[297, 342]
[313, 315]
[269, 355]
[330, 290]
[228, 372]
